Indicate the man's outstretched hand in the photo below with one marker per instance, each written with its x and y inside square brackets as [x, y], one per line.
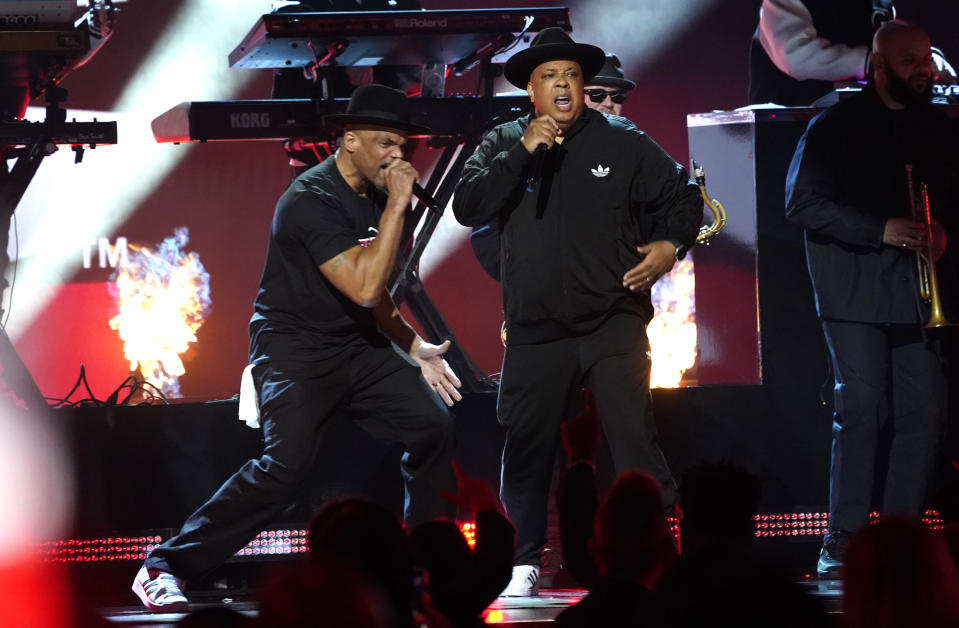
[436, 371]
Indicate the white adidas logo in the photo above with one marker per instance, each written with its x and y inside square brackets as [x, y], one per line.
[600, 171]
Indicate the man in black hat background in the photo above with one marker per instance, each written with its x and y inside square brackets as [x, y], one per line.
[320, 342]
[590, 214]
[608, 90]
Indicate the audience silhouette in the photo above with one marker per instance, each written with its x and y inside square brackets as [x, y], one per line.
[365, 571]
[618, 549]
[899, 573]
[370, 539]
[463, 581]
[718, 579]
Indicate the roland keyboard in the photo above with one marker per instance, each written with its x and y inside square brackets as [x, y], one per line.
[285, 40]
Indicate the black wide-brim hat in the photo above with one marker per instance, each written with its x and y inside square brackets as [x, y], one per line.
[549, 44]
[379, 105]
[612, 75]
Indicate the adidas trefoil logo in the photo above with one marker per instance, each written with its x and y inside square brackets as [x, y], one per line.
[600, 171]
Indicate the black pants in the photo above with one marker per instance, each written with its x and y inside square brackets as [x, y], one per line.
[889, 379]
[390, 400]
[539, 385]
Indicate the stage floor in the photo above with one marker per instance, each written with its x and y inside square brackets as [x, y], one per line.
[520, 611]
[525, 611]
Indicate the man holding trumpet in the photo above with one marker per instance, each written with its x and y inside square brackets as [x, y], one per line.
[855, 186]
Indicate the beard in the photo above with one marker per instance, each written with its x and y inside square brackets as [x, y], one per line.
[902, 90]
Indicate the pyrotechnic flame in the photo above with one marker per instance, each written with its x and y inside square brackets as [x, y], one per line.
[672, 332]
[163, 297]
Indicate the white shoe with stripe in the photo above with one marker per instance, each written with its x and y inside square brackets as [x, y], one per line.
[160, 591]
[524, 583]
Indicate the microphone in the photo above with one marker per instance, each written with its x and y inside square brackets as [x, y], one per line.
[426, 199]
[536, 167]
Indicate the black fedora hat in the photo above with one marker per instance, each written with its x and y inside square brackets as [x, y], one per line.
[612, 75]
[379, 105]
[552, 43]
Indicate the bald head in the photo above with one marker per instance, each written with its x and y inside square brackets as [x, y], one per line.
[895, 33]
[902, 60]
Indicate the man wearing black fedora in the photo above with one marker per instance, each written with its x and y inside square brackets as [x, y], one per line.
[590, 213]
[608, 90]
[320, 343]
[606, 93]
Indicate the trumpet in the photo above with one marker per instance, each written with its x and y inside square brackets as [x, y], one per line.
[925, 260]
[719, 212]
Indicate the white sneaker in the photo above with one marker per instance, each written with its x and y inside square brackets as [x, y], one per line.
[524, 583]
[160, 591]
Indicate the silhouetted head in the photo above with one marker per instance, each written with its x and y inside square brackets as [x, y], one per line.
[325, 593]
[630, 538]
[440, 548]
[718, 502]
[897, 572]
[372, 540]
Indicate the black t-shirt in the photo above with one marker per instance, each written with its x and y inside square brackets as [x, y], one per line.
[298, 314]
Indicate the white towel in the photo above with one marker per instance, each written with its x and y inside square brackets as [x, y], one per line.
[249, 405]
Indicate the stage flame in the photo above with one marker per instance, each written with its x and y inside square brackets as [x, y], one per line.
[163, 297]
[672, 332]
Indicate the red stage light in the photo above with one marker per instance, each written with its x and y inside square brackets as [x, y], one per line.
[283, 542]
[468, 529]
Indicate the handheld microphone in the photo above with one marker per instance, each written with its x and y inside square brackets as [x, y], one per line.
[426, 199]
[536, 167]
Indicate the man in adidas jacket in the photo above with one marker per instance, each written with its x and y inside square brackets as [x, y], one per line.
[591, 213]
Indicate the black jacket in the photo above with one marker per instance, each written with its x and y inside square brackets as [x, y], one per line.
[846, 179]
[566, 245]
